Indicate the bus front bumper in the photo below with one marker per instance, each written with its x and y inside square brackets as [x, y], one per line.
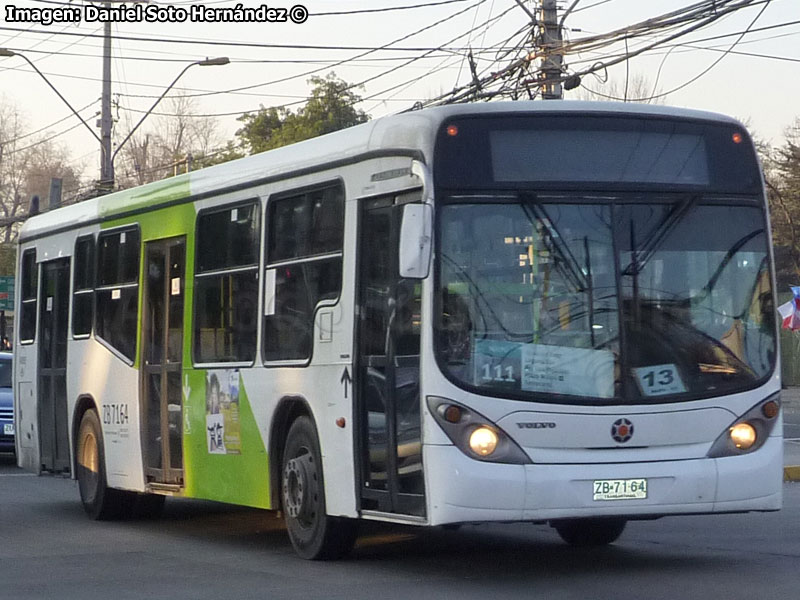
[461, 489]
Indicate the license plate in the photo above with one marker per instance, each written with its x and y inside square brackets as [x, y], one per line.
[8, 429]
[620, 489]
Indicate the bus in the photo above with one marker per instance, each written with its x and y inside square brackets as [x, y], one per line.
[558, 313]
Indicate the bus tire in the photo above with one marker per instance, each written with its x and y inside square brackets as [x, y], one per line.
[590, 532]
[99, 501]
[314, 534]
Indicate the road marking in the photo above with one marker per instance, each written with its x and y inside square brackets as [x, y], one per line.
[17, 474]
[791, 473]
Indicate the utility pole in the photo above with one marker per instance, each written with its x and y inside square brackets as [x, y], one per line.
[550, 43]
[106, 123]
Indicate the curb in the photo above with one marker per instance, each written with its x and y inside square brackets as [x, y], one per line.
[791, 473]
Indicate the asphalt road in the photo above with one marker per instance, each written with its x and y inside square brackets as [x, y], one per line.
[202, 550]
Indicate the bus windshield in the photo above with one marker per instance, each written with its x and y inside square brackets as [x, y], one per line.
[574, 299]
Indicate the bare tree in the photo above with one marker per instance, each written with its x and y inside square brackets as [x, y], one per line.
[27, 164]
[14, 162]
[782, 176]
[172, 144]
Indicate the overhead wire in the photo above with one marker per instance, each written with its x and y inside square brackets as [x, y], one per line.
[53, 124]
[673, 22]
[359, 83]
[240, 44]
[704, 71]
[355, 85]
[335, 64]
[679, 23]
[310, 14]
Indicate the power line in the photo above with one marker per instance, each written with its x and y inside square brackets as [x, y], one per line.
[385, 9]
[46, 127]
[310, 14]
[352, 86]
[582, 8]
[343, 61]
[678, 23]
[198, 42]
[278, 61]
[706, 70]
[44, 141]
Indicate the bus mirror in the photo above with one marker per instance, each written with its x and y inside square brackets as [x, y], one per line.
[415, 241]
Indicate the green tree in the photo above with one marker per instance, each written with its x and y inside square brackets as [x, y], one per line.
[330, 107]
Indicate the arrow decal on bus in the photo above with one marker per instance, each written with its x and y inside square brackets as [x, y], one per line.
[346, 380]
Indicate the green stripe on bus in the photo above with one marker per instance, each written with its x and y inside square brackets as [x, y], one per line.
[237, 478]
[145, 196]
[160, 224]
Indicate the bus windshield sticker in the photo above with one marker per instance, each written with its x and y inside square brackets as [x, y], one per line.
[657, 380]
[269, 293]
[497, 363]
[565, 370]
[223, 432]
[176, 286]
[116, 294]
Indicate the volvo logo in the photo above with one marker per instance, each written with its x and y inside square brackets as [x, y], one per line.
[622, 430]
[537, 425]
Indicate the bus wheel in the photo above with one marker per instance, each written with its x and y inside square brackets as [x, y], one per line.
[589, 532]
[314, 534]
[99, 501]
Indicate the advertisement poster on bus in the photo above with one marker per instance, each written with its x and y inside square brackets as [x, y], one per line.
[223, 431]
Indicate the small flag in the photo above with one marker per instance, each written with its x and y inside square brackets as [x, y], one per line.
[790, 312]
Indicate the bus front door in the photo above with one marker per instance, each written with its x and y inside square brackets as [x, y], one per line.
[52, 384]
[387, 371]
[162, 351]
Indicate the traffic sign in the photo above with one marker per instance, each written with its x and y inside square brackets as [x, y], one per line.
[6, 292]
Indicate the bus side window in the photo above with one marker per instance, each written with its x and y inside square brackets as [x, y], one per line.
[83, 287]
[226, 283]
[117, 292]
[304, 249]
[30, 285]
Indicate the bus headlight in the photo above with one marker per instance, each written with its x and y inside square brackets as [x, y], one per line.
[475, 435]
[743, 435]
[483, 441]
[750, 431]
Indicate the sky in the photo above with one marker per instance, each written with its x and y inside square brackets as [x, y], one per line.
[754, 77]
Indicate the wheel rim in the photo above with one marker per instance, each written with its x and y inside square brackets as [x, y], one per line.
[300, 490]
[88, 466]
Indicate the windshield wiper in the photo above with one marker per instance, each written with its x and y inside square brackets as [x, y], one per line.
[565, 261]
[640, 258]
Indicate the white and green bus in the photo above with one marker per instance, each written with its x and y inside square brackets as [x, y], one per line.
[547, 312]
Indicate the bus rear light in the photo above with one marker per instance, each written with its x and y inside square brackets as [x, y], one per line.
[749, 432]
[475, 435]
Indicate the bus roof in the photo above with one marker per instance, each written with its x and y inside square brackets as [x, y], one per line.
[411, 133]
